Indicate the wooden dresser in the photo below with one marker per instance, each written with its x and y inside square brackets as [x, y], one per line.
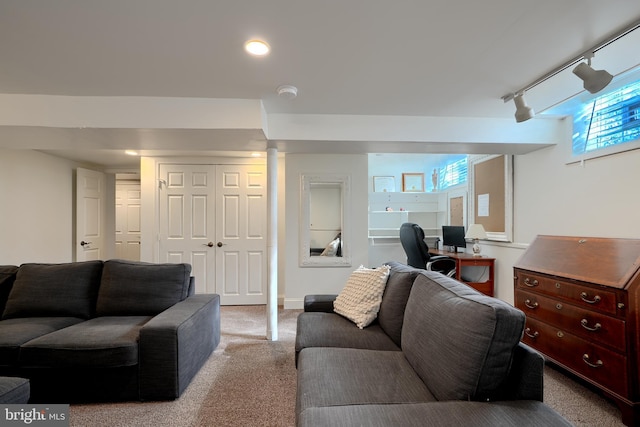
[581, 296]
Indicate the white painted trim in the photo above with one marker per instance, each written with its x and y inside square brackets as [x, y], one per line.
[129, 112]
[293, 303]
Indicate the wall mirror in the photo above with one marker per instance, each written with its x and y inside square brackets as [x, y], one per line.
[325, 213]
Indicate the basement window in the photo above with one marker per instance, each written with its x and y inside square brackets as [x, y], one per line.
[608, 124]
[453, 173]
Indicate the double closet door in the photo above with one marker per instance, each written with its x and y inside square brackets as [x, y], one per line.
[214, 218]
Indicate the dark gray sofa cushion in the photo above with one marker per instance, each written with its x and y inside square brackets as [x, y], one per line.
[347, 376]
[458, 340]
[523, 413]
[316, 329]
[7, 277]
[103, 342]
[14, 390]
[45, 290]
[394, 300]
[141, 289]
[15, 332]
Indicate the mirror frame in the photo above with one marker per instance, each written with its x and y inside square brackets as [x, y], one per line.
[304, 256]
[505, 235]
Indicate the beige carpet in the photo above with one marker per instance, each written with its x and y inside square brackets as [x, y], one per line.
[250, 381]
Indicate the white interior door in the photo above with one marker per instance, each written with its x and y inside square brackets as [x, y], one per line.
[187, 233]
[214, 217]
[90, 196]
[241, 227]
[128, 220]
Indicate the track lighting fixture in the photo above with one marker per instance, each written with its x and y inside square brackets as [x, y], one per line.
[594, 80]
[523, 111]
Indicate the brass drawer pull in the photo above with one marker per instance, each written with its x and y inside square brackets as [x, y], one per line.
[595, 299]
[585, 324]
[531, 335]
[598, 364]
[531, 305]
[530, 283]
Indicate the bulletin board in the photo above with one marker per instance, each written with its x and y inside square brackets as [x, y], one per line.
[491, 184]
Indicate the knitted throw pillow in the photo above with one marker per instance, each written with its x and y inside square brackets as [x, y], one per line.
[360, 299]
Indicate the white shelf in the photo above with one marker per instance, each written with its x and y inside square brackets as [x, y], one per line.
[428, 210]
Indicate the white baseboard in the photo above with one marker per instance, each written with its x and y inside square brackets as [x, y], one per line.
[293, 303]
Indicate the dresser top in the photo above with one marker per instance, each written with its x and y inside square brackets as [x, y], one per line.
[603, 261]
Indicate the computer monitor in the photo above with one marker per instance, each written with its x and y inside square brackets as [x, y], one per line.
[453, 236]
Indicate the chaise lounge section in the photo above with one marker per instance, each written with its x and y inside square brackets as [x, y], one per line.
[105, 331]
[439, 353]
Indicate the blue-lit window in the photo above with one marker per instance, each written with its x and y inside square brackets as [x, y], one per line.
[453, 173]
[610, 119]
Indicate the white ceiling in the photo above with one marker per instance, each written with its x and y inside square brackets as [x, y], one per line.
[424, 58]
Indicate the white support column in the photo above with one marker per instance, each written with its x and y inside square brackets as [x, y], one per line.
[272, 244]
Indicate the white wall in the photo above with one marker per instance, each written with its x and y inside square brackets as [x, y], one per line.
[597, 199]
[550, 197]
[301, 281]
[36, 207]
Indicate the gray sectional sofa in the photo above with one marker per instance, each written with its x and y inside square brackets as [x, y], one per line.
[104, 331]
[439, 354]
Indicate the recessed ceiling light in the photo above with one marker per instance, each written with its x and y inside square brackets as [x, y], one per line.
[257, 47]
[131, 152]
[256, 154]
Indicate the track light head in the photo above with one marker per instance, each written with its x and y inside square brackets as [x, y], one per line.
[523, 111]
[594, 80]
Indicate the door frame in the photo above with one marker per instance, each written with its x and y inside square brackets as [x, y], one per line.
[150, 197]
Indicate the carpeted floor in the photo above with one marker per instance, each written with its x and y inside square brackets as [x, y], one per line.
[250, 381]
[247, 381]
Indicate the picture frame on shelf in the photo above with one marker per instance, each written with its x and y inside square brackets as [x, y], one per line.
[384, 184]
[413, 182]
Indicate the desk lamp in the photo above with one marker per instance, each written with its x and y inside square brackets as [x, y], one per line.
[475, 232]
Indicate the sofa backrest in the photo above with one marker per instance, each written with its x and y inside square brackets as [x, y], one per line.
[131, 288]
[54, 290]
[7, 277]
[394, 299]
[459, 341]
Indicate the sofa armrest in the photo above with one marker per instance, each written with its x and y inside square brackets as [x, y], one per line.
[321, 303]
[525, 379]
[175, 344]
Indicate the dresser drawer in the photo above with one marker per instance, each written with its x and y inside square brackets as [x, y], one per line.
[591, 297]
[594, 362]
[590, 325]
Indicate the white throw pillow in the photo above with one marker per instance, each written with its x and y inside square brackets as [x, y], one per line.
[332, 248]
[361, 297]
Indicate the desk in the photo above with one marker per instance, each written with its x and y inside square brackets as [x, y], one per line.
[468, 260]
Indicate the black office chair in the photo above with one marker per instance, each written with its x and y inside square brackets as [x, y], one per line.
[412, 240]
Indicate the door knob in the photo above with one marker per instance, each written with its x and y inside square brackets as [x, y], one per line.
[83, 243]
[210, 244]
[220, 244]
